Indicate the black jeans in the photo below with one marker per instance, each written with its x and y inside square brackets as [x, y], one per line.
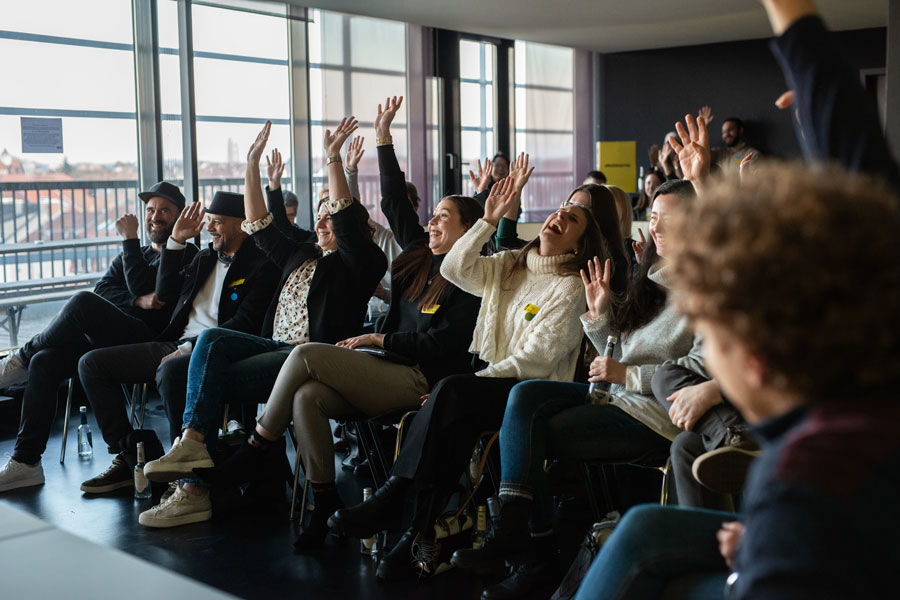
[442, 436]
[102, 374]
[86, 321]
[708, 434]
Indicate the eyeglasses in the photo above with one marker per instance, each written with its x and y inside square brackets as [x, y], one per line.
[569, 202]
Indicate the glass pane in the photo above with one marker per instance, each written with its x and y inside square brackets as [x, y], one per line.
[101, 20]
[546, 109]
[469, 59]
[267, 98]
[377, 44]
[170, 90]
[540, 64]
[237, 32]
[470, 105]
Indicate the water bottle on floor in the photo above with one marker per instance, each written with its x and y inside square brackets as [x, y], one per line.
[142, 489]
[85, 441]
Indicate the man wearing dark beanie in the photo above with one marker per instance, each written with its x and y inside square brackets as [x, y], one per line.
[228, 284]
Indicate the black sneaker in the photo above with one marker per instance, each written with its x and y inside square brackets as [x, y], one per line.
[117, 476]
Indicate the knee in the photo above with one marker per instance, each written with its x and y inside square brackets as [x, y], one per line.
[88, 366]
[83, 300]
[684, 448]
[210, 336]
[307, 404]
[524, 399]
[644, 520]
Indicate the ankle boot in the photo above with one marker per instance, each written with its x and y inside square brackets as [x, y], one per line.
[313, 535]
[399, 564]
[511, 541]
[375, 514]
[238, 468]
[527, 579]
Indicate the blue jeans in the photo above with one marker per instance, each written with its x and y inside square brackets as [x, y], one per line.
[660, 552]
[549, 419]
[213, 367]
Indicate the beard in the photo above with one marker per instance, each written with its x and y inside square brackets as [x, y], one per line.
[159, 237]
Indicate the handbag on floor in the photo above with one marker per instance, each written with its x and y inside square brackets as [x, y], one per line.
[590, 547]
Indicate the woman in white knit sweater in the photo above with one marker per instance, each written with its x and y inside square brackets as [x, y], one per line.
[551, 419]
[527, 328]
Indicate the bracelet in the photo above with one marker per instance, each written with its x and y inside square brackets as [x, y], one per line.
[333, 159]
[384, 140]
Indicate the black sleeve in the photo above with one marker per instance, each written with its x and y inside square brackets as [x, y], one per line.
[450, 336]
[278, 247]
[395, 204]
[354, 241]
[173, 265]
[838, 118]
[140, 277]
[250, 314]
[275, 204]
[481, 197]
[112, 285]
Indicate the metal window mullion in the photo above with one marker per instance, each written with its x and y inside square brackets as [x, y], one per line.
[298, 87]
[147, 93]
[188, 108]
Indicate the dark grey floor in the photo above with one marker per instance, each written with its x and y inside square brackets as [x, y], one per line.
[249, 555]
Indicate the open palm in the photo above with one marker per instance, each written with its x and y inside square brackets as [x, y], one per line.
[693, 149]
[596, 286]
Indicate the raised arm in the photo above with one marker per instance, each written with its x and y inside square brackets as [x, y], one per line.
[275, 201]
[140, 277]
[355, 153]
[838, 119]
[395, 204]
[170, 275]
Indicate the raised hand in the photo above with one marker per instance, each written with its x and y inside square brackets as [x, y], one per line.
[520, 172]
[746, 165]
[786, 100]
[666, 154]
[386, 115]
[707, 114]
[254, 155]
[355, 152]
[693, 149]
[189, 223]
[335, 141]
[653, 155]
[275, 169]
[483, 179]
[127, 227]
[596, 286]
[638, 246]
[499, 201]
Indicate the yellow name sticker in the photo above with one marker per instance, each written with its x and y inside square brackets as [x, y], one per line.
[430, 310]
[236, 283]
[530, 311]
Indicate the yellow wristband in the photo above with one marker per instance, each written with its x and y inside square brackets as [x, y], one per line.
[381, 141]
[333, 159]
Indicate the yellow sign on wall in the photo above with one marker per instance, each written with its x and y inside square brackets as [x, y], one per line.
[618, 161]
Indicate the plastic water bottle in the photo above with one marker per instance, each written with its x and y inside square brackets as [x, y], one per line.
[598, 393]
[142, 489]
[85, 441]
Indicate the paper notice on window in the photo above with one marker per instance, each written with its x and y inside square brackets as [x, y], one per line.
[42, 135]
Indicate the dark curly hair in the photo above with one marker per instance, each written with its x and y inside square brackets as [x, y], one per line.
[803, 266]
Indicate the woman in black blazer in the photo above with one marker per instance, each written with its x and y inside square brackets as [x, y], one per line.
[426, 335]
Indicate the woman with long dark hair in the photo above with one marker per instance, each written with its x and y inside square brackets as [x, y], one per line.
[426, 336]
[551, 419]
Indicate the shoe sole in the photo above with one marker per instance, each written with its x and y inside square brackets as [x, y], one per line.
[166, 473]
[723, 470]
[22, 483]
[197, 517]
[104, 489]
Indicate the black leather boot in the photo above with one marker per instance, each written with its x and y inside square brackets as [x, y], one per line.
[376, 514]
[511, 541]
[399, 564]
[313, 535]
[526, 580]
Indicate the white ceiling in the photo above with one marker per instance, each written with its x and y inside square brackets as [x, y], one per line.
[604, 25]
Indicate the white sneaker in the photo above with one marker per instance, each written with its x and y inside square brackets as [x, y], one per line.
[181, 508]
[12, 370]
[179, 462]
[15, 475]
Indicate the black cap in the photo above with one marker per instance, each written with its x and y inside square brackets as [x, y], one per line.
[165, 190]
[227, 204]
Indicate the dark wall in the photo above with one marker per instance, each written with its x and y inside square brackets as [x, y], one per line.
[645, 92]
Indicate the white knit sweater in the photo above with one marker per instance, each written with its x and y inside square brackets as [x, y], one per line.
[542, 347]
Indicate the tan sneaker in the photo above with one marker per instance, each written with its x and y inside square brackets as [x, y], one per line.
[179, 462]
[181, 508]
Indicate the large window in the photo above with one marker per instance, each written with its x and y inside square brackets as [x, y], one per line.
[545, 103]
[355, 63]
[477, 66]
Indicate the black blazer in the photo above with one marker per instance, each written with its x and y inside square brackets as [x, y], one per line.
[343, 282]
[441, 340]
[246, 291]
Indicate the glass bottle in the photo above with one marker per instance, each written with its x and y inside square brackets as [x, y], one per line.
[370, 546]
[142, 489]
[598, 392]
[85, 440]
[480, 526]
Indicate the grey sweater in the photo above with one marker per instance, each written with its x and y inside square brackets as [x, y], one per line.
[666, 339]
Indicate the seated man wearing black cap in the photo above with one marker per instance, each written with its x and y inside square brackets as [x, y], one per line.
[229, 284]
[123, 308]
